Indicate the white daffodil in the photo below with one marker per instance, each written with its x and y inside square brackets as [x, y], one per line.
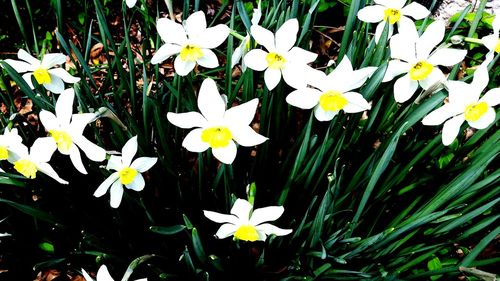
[192, 41]
[66, 131]
[51, 78]
[281, 57]
[127, 173]
[464, 104]
[102, 275]
[130, 3]
[9, 141]
[217, 127]
[29, 163]
[412, 57]
[246, 225]
[332, 92]
[394, 12]
[244, 47]
[492, 41]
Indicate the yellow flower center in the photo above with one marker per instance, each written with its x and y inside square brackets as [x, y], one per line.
[275, 61]
[392, 15]
[497, 47]
[475, 111]
[127, 175]
[26, 168]
[191, 53]
[42, 76]
[332, 101]
[217, 137]
[246, 233]
[4, 153]
[63, 140]
[420, 70]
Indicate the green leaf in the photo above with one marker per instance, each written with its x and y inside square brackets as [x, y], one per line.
[167, 230]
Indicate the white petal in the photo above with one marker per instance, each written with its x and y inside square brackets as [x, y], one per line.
[293, 74]
[403, 48]
[64, 75]
[343, 67]
[226, 230]
[241, 209]
[91, 150]
[451, 129]
[50, 60]
[299, 55]
[116, 192]
[208, 60]
[439, 115]
[114, 163]
[104, 186]
[20, 66]
[243, 114]
[17, 152]
[226, 154]
[129, 150]
[261, 215]
[211, 104]
[164, 52]
[220, 218]
[415, 10]
[492, 97]
[434, 77]
[246, 136]
[171, 32]
[103, 274]
[263, 37]
[395, 68]
[487, 119]
[461, 93]
[49, 120]
[380, 29]
[130, 3]
[76, 159]
[305, 98]
[407, 28]
[404, 88]
[27, 78]
[187, 120]
[269, 229]
[182, 67]
[195, 24]
[25, 56]
[64, 107]
[137, 184]
[356, 79]
[56, 84]
[323, 115]
[481, 78]
[374, 13]
[42, 149]
[432, 36]
[238, 52]
[49, 171]
[357, 103]
[193, 142]
[212, 37]
[142, 164]
[447, 57]
[490, 41]
[256, 59]
[79, 122]
[286, 35]
[86, 275]
[272, 77]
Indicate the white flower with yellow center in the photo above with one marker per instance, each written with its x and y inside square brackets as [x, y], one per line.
[66, 131]
[244, 47]
[412, 57]
[51, 78]
[192, 41]
[332, 92]
[102, 275]
[394, 12]
[281, 57]
[28, 163]
[464, 104]
[216, 127]
[247, 225]
[492, 41]
[127, 173]
[9, 141]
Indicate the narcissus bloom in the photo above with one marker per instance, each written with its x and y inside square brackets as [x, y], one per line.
[130, 3]
[51, 78]
[8, 141]
[127, 173]
[29, 163]
[192, 41]
[281, 57]
[216, 127]
[464, 104]
[412, 57]
[332, 92]
[66, 131]
[394, 12]
[244, 47]
[492, 41]
[102, 275]
[246, 225]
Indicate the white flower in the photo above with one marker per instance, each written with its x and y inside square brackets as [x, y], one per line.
[102, 275]
[465, 105]
[217, 127]
[29, 163]
[413, 57]
[492, 41]
[130, 3]
[51, 78]
[127, 173]
[246, 225]
[332, 92]
[66, 131]
[192, 41]
[9, 141]
[281, 58]
[394, 12]
[244, 47]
